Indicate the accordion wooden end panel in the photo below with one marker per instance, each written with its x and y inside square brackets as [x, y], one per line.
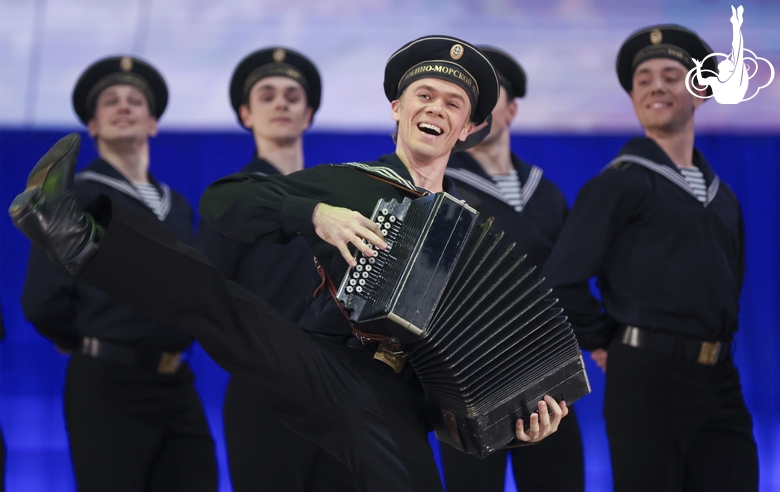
[484, 341]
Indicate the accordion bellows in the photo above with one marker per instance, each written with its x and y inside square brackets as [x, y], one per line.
[484, 341]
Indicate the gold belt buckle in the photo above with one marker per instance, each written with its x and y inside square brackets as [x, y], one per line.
[169, 363]
[708, 355]
[394, 359]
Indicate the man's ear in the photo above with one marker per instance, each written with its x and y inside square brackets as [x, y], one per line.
[92, 127]
[309, 116]
[697, 101]
[511, 111]
[469, 128]
[245, 115]
[152, 130]
[395, 109]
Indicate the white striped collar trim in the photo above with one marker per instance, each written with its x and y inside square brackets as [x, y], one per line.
[488, 186]
[534, 178]
[668, 173]
[166, 201]
[384, 172]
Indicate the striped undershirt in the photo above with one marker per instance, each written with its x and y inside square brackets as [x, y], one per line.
[695, 179]
[509, 184]
[151, 197]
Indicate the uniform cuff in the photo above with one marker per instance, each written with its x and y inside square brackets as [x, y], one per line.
[296, 215]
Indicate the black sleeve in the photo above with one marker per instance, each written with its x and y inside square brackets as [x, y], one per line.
[601, 211]
[48, 299]
[249, 208]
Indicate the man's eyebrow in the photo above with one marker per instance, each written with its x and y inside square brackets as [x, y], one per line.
[642, 71]
[446, 93]
[456, 95]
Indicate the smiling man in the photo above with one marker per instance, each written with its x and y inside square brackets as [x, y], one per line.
[330, 387]
[134, 419]
[664, 237]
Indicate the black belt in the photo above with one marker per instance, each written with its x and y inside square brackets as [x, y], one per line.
[705, 353]
[139, 356]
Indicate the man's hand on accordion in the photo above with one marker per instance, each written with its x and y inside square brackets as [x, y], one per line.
[543, 423]
[339, 227]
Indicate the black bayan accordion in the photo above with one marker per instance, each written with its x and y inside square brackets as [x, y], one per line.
[486, 343]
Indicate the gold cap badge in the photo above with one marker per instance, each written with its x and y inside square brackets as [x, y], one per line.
[126, 64]
[456, 51]
[279, 55]
[656, 36]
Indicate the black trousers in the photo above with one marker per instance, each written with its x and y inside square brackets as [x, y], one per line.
[263, 454]
[675, 425]
[354, 407]
[554, 464]
[134, 430]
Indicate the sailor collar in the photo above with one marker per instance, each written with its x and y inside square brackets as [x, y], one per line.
[472, 174]
[391, 168]
[646, 153]
[102, 172]
[260, 167]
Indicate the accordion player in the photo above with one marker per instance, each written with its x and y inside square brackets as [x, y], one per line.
[485, 342]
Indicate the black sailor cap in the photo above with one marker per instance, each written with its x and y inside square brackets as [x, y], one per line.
[511, 75]
[119, 70]
[446, 58]
[661, 41]
[275, 61]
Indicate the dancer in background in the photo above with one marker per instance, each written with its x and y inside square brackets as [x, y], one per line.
[664, 237]
[134, 419]
[275, 93]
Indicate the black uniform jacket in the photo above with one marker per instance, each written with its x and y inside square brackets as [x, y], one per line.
[536, 228]
[282, 275]
[65, 310]
[663, 260]
[251, 208]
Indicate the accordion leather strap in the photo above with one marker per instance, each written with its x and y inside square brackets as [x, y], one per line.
[388, 346]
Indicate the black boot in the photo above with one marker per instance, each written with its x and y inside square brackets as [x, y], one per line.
[47, 213]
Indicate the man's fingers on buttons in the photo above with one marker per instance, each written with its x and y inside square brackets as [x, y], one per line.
[365, 249]
[347, 256]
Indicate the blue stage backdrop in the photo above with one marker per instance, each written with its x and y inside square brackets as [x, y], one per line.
[32, 372]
